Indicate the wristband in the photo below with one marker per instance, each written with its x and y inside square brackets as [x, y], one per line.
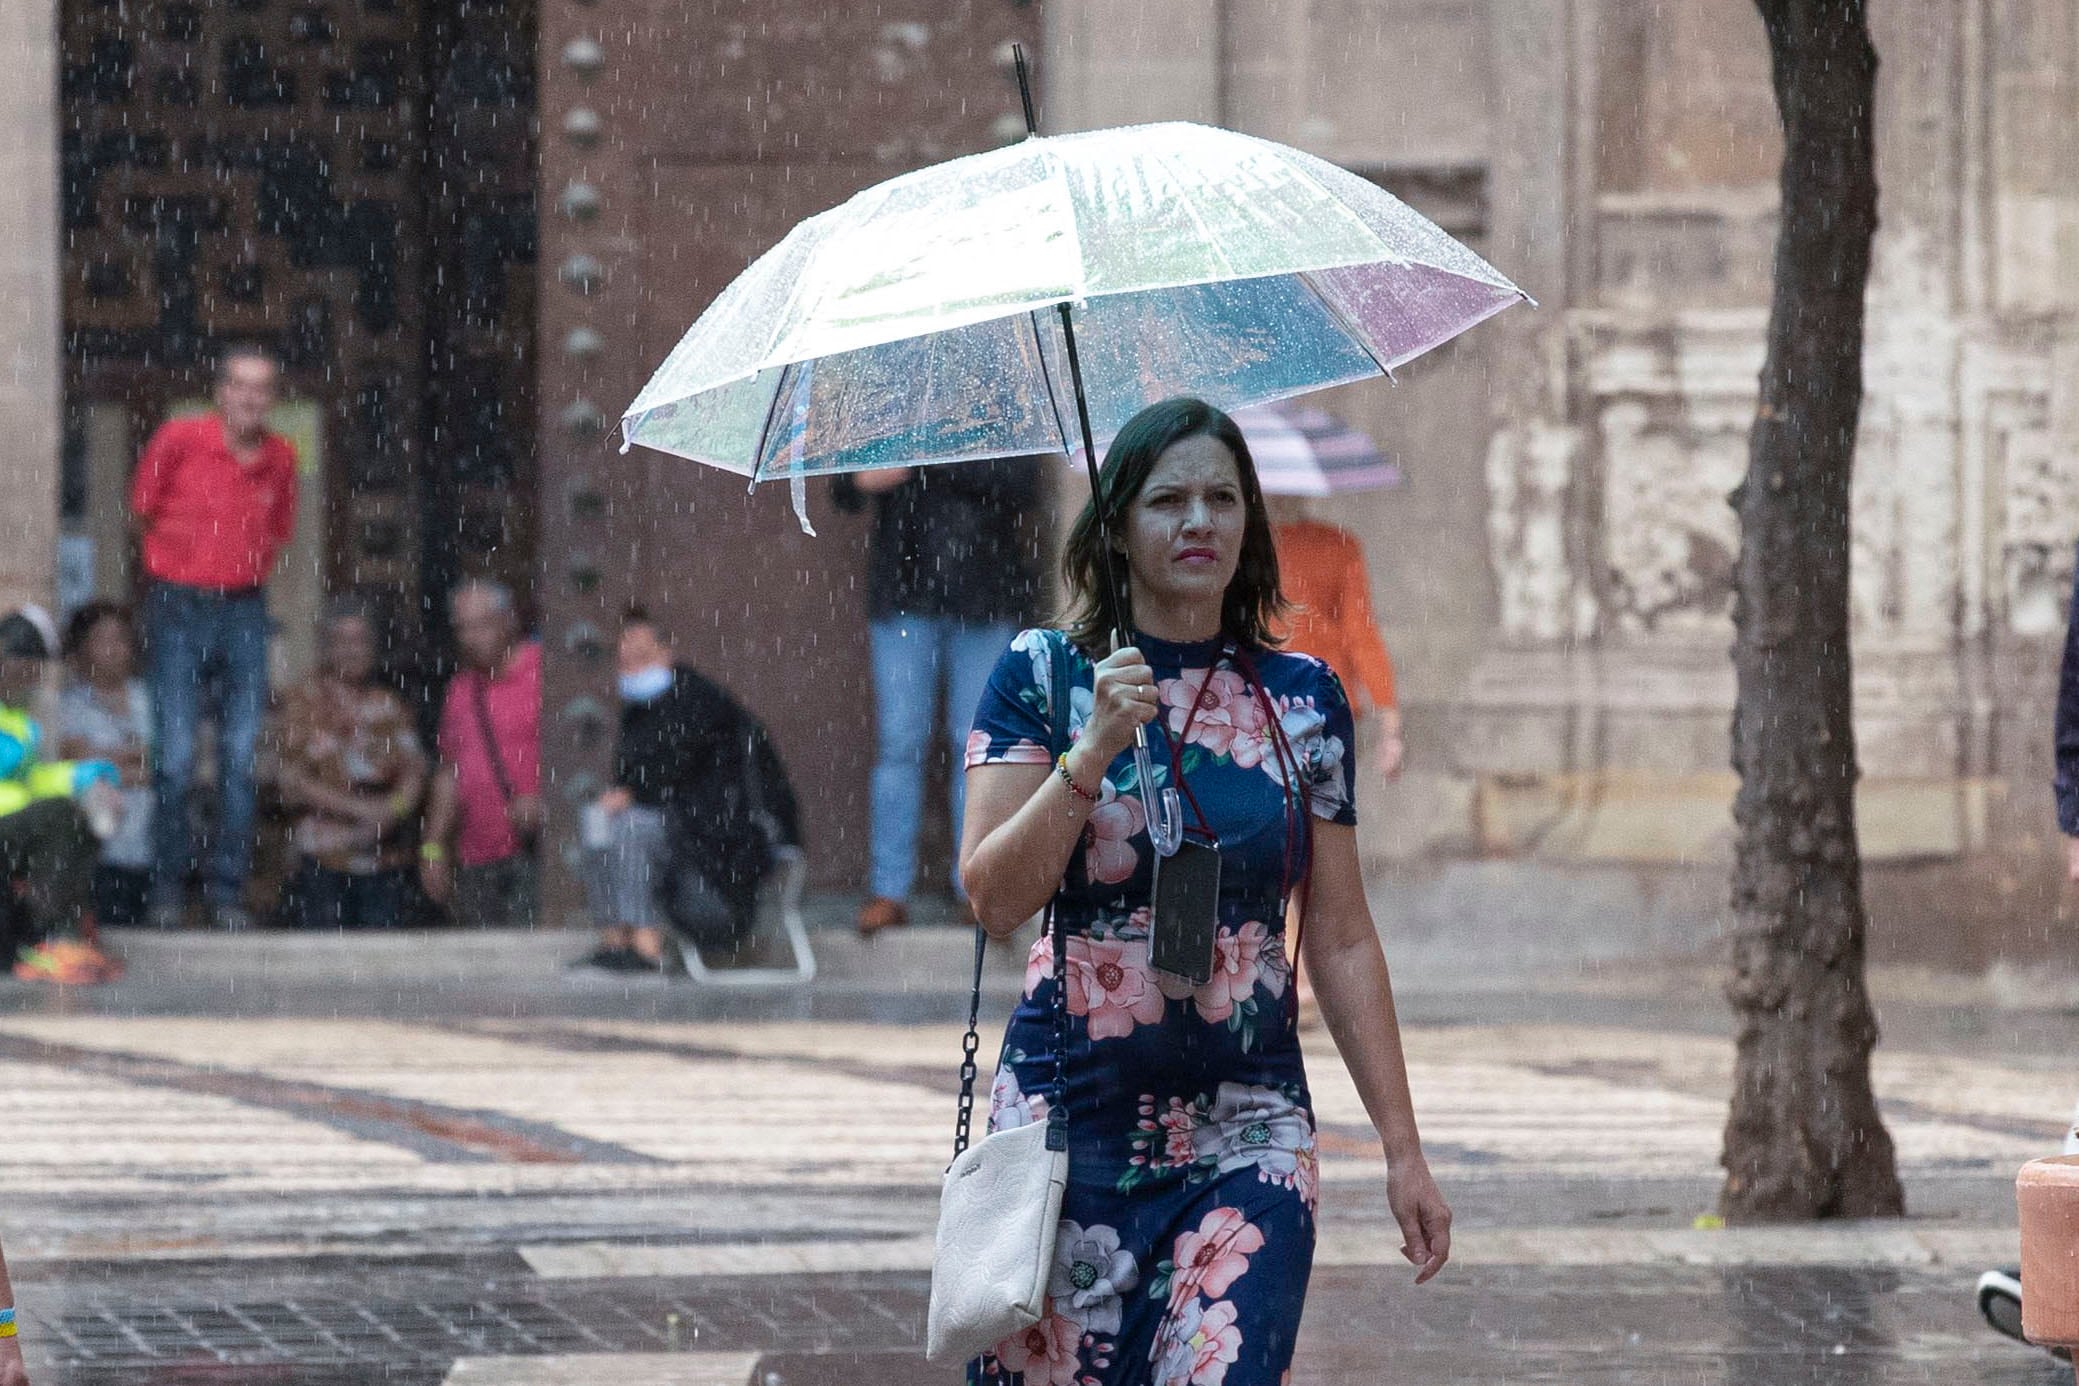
[1061, 766]
[7, 1328]
[432, 851]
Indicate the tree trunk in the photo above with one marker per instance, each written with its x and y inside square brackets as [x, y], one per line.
[1804, 1139]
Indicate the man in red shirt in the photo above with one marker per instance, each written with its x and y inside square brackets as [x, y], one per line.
[485, 810]
[214, 503]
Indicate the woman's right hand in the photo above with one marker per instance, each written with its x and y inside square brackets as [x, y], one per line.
[1123, 700]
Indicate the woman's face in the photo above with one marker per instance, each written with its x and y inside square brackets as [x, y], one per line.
[1184, 530]
[350, 650]
[106, 654]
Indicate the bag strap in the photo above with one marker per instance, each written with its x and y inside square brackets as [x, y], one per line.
[480, 695]
[1058, 704]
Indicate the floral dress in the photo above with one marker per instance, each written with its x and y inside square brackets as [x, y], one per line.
[1187, 1232]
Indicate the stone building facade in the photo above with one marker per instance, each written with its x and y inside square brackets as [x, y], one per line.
[1555, 579]
[1554, 574]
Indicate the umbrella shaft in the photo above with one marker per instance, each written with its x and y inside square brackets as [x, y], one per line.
[1113, 590]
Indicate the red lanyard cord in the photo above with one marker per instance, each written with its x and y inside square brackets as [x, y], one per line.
[1183, 738]
[1299, 823]
[1289, 784]
[1291, 790]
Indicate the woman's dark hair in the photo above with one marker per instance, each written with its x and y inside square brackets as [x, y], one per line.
[80, 625]
[1253, 603]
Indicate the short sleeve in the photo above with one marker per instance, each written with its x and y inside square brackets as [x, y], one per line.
[1015, 722]
[1323, 735]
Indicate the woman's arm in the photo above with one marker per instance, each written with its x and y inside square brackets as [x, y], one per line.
[308, 791]
[1022, 823]
[409, 791]
[1341, 952]
[1021, 826]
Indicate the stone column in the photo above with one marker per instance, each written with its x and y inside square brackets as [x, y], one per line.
[1521, 713]
[29, 302]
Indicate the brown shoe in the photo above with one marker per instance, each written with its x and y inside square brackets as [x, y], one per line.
[882, 913]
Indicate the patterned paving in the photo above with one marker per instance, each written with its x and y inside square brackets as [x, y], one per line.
[636, 1190]
[113, 1105]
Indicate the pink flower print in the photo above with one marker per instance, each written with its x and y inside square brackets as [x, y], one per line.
[1306, 1176]
[1210, 1260]
[1009, 1107]
[1108, 851]
[1039, 963]
[1230, 720]
[1045, 1352]
[1235, 969]
[977, 747]
[1274, 969]
[1197, 1344]
[1179, 1146]
[1110, 982]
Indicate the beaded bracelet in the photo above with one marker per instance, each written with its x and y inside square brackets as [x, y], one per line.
[1061, 767]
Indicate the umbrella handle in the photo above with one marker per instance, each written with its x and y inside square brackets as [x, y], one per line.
[1165, 811]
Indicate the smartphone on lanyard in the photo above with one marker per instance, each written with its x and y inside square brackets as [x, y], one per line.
[1185, 914]
[1184, 922]
[1185, 919]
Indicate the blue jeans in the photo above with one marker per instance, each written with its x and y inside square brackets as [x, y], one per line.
[208, 653]
[910, 654]
[349, 899]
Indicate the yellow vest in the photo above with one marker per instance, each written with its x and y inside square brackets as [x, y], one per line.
[24, 780]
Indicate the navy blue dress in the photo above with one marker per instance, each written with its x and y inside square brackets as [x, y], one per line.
[1187, 1233]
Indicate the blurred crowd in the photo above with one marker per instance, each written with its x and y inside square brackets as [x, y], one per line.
[145, 757]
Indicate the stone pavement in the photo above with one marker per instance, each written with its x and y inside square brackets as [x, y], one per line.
[443, 1158]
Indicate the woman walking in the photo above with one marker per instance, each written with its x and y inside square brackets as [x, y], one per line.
[1188, 1226]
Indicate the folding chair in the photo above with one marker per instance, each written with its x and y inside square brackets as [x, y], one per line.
[779, 905]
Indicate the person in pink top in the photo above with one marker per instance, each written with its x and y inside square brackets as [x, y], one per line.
[485, 812]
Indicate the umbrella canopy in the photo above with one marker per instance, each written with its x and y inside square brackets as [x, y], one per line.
[906, 325]
[1303, 450]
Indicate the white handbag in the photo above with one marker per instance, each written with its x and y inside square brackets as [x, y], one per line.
[1000, 1208]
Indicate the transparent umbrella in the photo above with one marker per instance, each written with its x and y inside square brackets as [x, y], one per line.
[1030, 298]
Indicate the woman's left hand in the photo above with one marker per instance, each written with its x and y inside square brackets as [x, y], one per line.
[1425, 1219]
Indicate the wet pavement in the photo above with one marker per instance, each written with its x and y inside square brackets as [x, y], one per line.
[315, 1323]
[445, 1158]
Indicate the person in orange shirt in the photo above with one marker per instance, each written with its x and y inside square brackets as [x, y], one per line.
[1321, 569]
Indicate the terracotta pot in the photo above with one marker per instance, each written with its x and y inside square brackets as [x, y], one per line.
[2047, 1192]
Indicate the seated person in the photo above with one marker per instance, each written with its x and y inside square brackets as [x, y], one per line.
[348, 764]
[47, 843]
[105, 713]
[687, 830]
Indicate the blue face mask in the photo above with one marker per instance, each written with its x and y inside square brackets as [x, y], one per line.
[645, 684]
